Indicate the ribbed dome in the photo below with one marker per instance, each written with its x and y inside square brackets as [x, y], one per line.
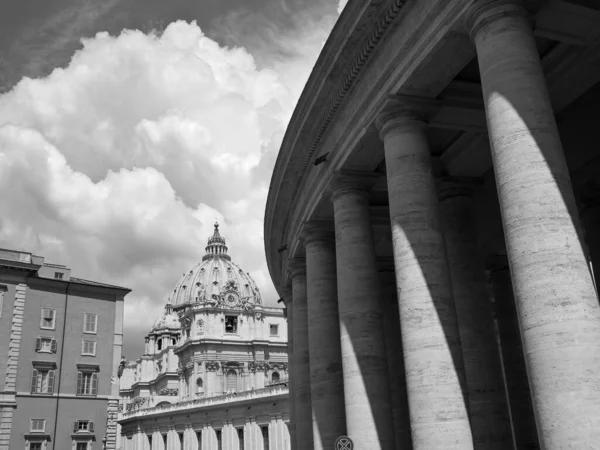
[217, 280]
[167, 322]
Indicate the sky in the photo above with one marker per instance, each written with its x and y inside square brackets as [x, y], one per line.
[128, 127]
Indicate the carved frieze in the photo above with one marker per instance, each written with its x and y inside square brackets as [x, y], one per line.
[212, 366]
[169, 391]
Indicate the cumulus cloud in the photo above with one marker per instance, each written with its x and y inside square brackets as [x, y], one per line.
[118, 164]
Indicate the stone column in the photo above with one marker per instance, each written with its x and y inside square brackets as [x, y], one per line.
[488, 410]
[556, 300]
[432, 354]
[300, 362]
[366, 384]
[289, 313]
[517, 385]
[326, 381]
[395, 354]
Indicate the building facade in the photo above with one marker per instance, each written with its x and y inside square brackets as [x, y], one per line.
[432, 224]
[60, 341]
[214, 371]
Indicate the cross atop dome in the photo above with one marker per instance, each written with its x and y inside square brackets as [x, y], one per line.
[216, 247]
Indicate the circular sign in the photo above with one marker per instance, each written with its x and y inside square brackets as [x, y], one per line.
[344, 443]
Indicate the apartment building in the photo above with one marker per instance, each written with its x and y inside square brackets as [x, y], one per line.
[60, 347]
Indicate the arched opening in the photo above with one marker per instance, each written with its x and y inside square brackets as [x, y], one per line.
[174, 341]
[231, 380]
[199, 385]
[163, 404]
[275, 377]
[159, 344]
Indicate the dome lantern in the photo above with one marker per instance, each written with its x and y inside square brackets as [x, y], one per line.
[216, 248]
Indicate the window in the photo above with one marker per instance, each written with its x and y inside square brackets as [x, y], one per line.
[42, 381]
[274, 329]
[82, 446]
[231, 324]
[87, 383]
[231, 380]
[90, 323]
[83, 425]
[88, 348]
[48, 316]
[3, 289]
[58, 276]
[240, 433]
[265, 435]
[38, 425]
[219, 440]
[199, 439]
[173, 341]
[275, 377]
[159, 343]
[45, 345]
[35, 446]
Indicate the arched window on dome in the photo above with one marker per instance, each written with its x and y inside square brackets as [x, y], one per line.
[275, 377]
[159, 344]
[231, 381]
[174, 341]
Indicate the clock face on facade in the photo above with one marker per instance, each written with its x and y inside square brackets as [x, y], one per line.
[231, 300]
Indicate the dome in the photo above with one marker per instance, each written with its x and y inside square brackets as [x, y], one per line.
[168, 321]
[216, 280]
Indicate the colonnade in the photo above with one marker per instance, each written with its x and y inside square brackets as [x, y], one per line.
[421, 366]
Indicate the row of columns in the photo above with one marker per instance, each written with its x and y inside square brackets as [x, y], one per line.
[358, 360]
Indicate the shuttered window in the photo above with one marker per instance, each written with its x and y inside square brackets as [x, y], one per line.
[88, 347]
[38, 425]
[90, 323]
[42, 381]
[87, 383]
[47, 321]
[45, 345]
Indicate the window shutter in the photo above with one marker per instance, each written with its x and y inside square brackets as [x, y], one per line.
[94, 384]
[38, 344]
[79, 383]
[83, 346]
[91, 427]
[50, 381]
[75, 427]
[53, 346]
[94, 348]
[34, 378]
[95, 322]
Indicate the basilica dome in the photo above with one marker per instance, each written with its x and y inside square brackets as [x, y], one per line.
[216, 280]
[169, 321]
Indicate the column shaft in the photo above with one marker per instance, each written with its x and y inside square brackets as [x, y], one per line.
[432, 355]
[326, 382]
[302, 397]
[558, 309]
[291, 375]
[488, 411]
[395, 358]
[366, 384]
[517, 385]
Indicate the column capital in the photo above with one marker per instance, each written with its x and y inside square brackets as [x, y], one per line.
[405, 112]
[449, 187]
[483, 12]
[495, 263]
[318, 230]
[296, 266]
[352, 181]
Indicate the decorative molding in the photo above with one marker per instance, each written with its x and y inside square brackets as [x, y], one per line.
[211, 366]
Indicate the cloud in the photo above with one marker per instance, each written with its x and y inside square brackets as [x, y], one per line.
[118, 164]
